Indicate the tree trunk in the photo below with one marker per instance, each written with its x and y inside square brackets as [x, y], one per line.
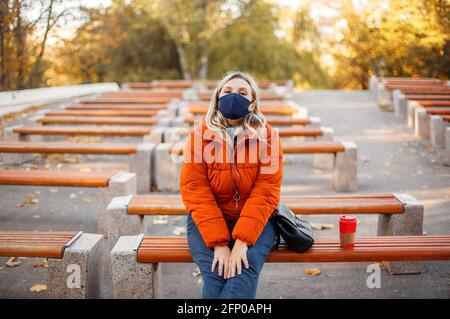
[203, 70]
[182, 60]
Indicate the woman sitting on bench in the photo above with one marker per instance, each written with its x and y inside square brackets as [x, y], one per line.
[230, 184]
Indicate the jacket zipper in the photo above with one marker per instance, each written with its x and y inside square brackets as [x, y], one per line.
[236, 195]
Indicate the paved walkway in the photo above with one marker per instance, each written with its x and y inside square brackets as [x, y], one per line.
[389, 160]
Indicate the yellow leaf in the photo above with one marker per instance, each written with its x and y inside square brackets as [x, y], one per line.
[43, 263]
[12, 262]
[312, 271]
[38, 288]
[321, 226]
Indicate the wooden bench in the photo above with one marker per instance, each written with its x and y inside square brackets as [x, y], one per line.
[137, 260]
[277, 121]
[263, 96]
[173, 134]
[64, 250]
[413, 105]
[398, 214]
[422, 119]
[118, 107]
[265, 109]
[109, 184]
[169, 157]
[140, 155]
[101, 113]
[153, 100]
[178, 94]
[86, 120]
[438, 125]
[51, 133]
[386, 91]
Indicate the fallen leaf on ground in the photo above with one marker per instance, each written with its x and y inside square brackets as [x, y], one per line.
[36, 216]
[87, 199]
[179, 231]
[73, 195]
[12, 262]
[53, 190]
[160, 220]
[38, 288]
[312, 271]
[321, 226]
[19, 205]
[43, 263]
[176, 220]
[196, 272]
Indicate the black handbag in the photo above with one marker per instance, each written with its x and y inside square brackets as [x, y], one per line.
[295, 231]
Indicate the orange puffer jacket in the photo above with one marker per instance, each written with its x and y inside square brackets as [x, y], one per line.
[207, 183]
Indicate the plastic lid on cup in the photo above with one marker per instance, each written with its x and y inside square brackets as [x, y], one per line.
[347, 218]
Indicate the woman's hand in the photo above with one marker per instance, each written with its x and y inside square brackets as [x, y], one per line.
[238, 256]
[221, 257]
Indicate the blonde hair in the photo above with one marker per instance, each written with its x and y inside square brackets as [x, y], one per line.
[254, 119]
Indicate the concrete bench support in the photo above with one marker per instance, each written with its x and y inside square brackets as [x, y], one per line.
[77, 274]
[411, 112]
[383, 96]
[437, 131]
[121, 184]
[407, 224]
[141, 165]
[447, 146]
[119, 222]
[422, 123]
[167, 168]
[345, 169]
[324, 161]
[400, 104]
[132, 279]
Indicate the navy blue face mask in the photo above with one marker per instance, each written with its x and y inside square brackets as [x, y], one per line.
[234, 106]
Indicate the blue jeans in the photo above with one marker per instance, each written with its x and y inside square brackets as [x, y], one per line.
[241, 286]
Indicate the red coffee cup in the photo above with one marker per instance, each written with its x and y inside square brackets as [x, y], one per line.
[347, 231]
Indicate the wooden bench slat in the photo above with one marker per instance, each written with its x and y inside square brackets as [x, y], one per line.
[65, 147]
[206, 96]
[428, 97]
[77, 130]
[55, 178]
[274, 120]
[34, 244]
[106, 113]
[269, 110]
[123, 107]
[446, 118]
[98, 121]
[434, 103]
[383, 248]
[143, 94]
[173, 205]
[313, 147]
[159, 100]
[438, 111]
